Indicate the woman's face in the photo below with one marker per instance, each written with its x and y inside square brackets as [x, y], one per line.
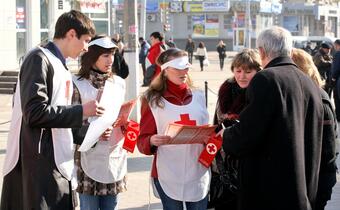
[104, 62]
[243, 77]
[177, 76]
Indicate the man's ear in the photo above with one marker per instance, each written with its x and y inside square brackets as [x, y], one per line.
[262, 53]
[71, 34]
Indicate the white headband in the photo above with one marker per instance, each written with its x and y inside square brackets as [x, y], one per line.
[180, 63]
[104, 42]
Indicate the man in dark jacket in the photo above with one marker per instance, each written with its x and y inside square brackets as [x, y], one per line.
[190, 48]
[143, 52]
[323, 61]
[39, 163]
[278, 137]
[335, 78]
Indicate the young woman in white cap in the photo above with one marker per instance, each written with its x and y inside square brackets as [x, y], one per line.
[101, 171]
[177, 175]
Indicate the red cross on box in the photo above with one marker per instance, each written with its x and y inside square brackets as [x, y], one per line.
[185, 120]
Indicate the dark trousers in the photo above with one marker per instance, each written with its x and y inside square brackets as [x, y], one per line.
[201, 59]
[221, 58]
[190, 55]
[336, 97]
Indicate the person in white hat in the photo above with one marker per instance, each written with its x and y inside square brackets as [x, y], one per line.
[176, 173]
[101, 171]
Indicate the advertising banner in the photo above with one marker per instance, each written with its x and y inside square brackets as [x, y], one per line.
[198, 25]
[211, 25]
[192, 7]
[176, 6]
[216, 6]
[93, 6]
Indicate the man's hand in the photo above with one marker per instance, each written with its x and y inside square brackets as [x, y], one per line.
[106, 135]
[157, 140]
[92, 108]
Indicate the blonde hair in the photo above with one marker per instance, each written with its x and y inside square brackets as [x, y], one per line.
[304, 62]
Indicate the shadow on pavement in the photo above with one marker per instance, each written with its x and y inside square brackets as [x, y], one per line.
[153, 206]
[139, 164]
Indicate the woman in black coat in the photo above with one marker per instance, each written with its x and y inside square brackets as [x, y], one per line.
[231, 101]
[221, 49]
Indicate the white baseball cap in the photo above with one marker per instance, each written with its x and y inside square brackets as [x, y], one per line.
[104, 42]
[180, 63]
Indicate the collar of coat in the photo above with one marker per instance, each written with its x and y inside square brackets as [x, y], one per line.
[280, 61]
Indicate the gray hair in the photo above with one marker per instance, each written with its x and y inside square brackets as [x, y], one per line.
[275, 41]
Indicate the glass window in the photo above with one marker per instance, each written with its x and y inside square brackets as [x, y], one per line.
[20, 14]
[101, 26]
[21, 44]
[44, 14]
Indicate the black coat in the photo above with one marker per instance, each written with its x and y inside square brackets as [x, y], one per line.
[278, 140]
[35, 182]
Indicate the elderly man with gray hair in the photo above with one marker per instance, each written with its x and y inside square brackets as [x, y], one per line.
[278, 137]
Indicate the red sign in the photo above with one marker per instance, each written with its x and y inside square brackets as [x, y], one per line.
[20, 15]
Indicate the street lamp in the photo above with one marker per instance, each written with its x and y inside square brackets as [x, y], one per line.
[120, 25]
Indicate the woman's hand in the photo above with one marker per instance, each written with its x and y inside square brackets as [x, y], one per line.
[157, 140]
[106, 135]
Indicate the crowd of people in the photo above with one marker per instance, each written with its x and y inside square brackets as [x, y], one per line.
[274, 119]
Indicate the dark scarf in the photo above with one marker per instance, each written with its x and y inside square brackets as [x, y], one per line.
[98, 78]
[232, 98]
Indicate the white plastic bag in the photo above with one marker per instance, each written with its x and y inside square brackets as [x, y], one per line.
[206, 62]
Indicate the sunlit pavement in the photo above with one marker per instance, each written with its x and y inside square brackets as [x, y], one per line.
[140, 195]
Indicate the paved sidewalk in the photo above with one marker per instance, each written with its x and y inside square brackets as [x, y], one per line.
[140, 195]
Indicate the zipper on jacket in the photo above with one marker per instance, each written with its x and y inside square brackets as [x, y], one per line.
[39, 144]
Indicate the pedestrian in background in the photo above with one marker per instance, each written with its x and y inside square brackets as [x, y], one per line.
[328, 168]
[119, 66]
[177, 176]
[202, 54]
[170, 43]
[157, 46]
[323, 61]
[278, 136]
[190, 48]
[335, 70]
[221, 50]
[231, 101]
[39, 162]
[101, 171]
[143, 52]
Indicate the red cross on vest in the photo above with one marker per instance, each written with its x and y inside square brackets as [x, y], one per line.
[185, 120]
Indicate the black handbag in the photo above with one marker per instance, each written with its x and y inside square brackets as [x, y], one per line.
[224, 183]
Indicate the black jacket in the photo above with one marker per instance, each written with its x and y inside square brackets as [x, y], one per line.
[35, 182]
[278, 140]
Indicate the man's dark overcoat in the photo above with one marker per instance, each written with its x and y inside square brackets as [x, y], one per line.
[278, 140]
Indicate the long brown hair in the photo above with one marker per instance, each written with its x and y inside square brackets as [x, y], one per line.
[89, 58]
[158, 86]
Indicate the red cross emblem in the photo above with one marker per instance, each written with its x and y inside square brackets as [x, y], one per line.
[185, 120]
[132, 135]
[211, 148]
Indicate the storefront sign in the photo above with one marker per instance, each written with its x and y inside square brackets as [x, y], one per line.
[20, 15]
[176, 7]
[93, 6]
[216, 6]
[152, 6]
[192, 7]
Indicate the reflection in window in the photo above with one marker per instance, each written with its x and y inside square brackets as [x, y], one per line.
[101, 26]
[21, 44]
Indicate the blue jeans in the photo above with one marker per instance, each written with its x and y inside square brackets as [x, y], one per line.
[171, 204]
[96, 202]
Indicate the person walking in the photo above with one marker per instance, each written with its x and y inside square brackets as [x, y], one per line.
[323, 61]
[221, 50]
[190, 48]
[101, 171]
[176, 174]
[335, 82]
[143, 52]
[152, 69]
[39, 162]
[278, 136]
[231, 101]
[202, 54]
[328, 168]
